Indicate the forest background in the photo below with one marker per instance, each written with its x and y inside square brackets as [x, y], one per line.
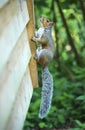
[68, 67]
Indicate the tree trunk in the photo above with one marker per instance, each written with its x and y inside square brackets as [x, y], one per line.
[82, 8]
[55, 30]
[71, 42]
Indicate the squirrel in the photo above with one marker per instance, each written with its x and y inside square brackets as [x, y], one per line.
[44, 55]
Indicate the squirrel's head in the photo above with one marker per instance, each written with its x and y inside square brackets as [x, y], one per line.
[46, 22]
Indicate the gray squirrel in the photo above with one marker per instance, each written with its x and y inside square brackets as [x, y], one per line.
[44, 55]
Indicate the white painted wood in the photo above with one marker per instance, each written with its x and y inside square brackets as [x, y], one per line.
[3, 2]
[13, 20]
[12, 76]
[21, 104]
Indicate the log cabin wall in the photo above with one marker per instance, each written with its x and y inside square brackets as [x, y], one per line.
[17, 77]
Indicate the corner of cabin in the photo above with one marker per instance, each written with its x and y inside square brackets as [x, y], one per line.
[18, 70]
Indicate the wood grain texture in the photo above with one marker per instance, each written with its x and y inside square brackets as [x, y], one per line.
[3, 2]
[13, 20]
[12, 75]
[21, 104]
[30, 29]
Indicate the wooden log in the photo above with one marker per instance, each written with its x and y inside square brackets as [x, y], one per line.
[12, 23]
[30, 29]
[12, 75]
[21, 104]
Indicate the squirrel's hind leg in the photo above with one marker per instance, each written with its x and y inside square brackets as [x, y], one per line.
[36, 57]
[43, 58]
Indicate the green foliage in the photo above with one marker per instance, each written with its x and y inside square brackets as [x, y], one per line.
[68, 105]
[68, 102]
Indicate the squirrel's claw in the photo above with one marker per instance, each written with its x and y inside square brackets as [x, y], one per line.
[33, 39]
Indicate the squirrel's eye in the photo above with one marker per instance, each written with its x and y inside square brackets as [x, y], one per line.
[47, 20]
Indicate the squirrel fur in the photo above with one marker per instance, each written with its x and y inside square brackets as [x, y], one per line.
[44, 55]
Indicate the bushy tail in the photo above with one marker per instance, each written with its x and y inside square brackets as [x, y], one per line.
[47, 92]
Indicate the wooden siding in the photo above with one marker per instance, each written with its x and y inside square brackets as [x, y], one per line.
[16, 83]
[12, 23]
[21, 104]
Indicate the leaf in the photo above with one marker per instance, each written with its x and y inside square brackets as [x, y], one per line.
[75, 129]
[82, 125]
[42, 125]
[82, 97]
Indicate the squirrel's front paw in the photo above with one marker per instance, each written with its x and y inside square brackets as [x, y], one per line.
[33, 38]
